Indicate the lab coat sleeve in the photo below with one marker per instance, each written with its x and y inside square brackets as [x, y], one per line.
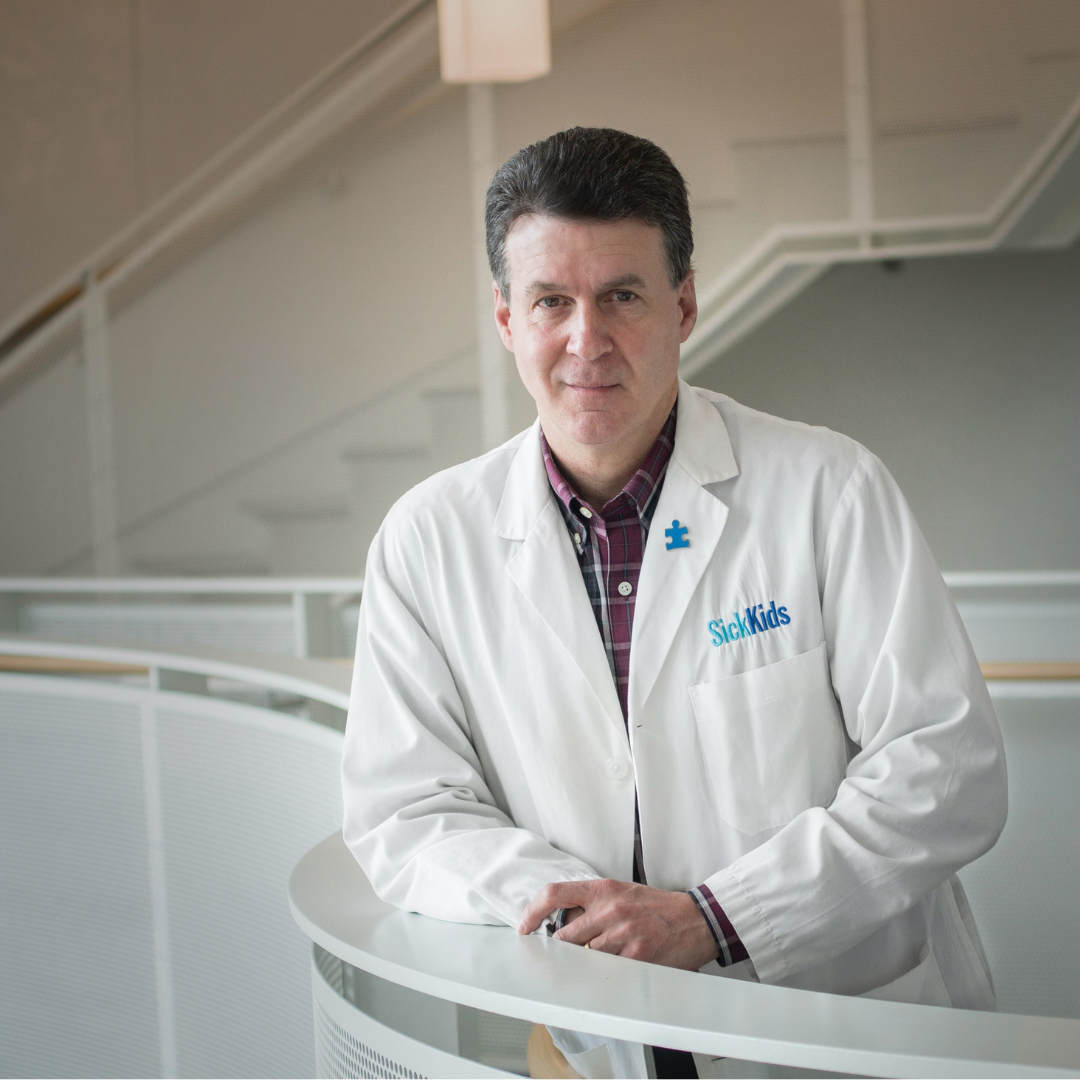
[926, 792]
[419, 817]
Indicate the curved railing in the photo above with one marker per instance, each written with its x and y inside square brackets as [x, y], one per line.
[147, 831]
[148, 825]
[544, 981]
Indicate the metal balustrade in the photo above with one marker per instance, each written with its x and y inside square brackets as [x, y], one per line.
[147, 828]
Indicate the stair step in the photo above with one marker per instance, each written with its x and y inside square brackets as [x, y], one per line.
[378, 477]
[309, 536]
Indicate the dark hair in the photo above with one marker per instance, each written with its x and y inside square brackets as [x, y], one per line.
[597, 173]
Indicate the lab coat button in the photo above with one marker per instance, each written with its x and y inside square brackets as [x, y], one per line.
[617, 770]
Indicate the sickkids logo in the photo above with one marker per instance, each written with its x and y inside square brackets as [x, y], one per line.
[754, 620]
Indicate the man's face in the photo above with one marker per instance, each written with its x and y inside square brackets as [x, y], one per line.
[595, 326]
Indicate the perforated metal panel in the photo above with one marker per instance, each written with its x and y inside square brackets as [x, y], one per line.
[77, 990]
[349, 1042]
[1024, 891]
[503, 1040]
[242, 800]
[340, 1054]
[93, 777]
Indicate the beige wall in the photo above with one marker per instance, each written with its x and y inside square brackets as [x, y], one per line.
[105, 105]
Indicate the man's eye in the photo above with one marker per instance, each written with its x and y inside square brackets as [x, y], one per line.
[622, 295]
[549, 302]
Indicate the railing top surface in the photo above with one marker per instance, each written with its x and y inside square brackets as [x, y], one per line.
[320, 680]
[536, 978]
[199, 586]
[994, 579]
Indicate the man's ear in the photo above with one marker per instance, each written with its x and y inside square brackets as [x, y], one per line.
[688, 309]
[502, 317]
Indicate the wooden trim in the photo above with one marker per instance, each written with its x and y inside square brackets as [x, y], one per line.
[1032, 671]
[58, 665]
[545, 1059]
[37, 319]
[1026, 671]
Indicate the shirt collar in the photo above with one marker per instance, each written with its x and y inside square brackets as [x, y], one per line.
[639, 488]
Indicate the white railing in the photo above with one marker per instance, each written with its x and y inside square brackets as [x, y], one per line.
[1015, 616]
[1011, 579]
[218, 798]
[545, 981]
[313, 601]
[147, 832]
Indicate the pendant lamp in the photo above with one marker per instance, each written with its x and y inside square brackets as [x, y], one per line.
[494, 40]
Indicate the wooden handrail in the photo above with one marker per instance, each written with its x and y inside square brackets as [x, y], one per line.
[1025, 671]
[1031, 671]
[60, 665]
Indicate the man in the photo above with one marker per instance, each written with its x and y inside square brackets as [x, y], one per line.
[676, 678]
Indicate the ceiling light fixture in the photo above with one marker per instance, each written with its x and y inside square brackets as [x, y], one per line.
[494, 40]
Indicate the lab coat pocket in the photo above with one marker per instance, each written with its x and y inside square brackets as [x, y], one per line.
[773, 741]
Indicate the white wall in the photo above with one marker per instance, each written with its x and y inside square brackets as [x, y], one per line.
[44, 475]
[962, 374]
[350, 279]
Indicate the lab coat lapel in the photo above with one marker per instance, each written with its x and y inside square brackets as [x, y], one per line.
[546, 570]
[702, 456]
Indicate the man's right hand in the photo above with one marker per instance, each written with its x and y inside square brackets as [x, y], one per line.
[629, 920]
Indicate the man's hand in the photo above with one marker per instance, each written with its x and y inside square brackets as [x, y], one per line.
[629, 920]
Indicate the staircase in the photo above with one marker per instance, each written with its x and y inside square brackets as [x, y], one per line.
[331, 535]
[257, 387]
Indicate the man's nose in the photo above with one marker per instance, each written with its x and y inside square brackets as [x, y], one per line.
[589, 338]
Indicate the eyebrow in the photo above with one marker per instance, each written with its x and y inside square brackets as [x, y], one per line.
[622, 282]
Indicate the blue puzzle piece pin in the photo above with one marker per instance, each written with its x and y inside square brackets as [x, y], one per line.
[676, 536]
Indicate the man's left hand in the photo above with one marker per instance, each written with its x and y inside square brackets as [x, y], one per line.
[631, 920]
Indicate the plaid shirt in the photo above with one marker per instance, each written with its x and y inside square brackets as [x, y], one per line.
[610, 543]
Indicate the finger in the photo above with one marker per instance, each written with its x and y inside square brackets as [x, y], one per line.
[609, 941]
[582, 930]
[561, 894]
[578, 932]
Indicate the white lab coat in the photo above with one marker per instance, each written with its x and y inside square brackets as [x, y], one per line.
[825, 776]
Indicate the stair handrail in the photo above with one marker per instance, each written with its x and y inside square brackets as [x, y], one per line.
[196, 188]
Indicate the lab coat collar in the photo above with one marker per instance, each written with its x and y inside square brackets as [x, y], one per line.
[527, 491]
[702, 447]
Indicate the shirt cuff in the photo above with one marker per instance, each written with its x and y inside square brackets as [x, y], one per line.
[730, 950]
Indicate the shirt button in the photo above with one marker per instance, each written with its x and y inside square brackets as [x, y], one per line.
[625, 588]
[585, 512]
[617, 769]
